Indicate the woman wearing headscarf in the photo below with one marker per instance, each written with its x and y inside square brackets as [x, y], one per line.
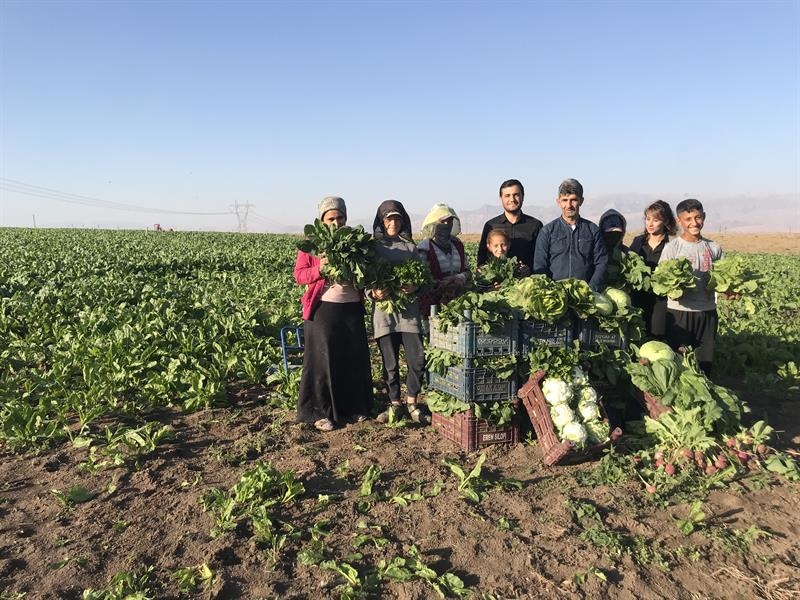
[336, 383]
[392, 232]
[445, 255]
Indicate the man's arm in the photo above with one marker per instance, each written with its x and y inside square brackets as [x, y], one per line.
[541, 253]
[600, 262]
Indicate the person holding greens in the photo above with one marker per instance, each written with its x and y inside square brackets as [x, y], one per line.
[402, 327]
[336, 383]
[445, 255]
[659, 227]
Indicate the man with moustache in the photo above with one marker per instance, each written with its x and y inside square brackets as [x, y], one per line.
[570, 246]
[520, 228]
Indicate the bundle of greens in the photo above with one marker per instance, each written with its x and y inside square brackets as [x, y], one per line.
[671, 277]
[731, 276]
[481, 309]
[393, 277]
[677, 382]
[349, 250]
[445, 404]
[439, 360]
[497, 270]
[627, 270]
[635, 273]
[580, 297]
[538, 297]
[623, 316]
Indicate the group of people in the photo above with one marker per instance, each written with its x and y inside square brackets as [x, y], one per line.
[336, 382]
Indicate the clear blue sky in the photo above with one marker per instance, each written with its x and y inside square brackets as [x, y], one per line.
[190, 106]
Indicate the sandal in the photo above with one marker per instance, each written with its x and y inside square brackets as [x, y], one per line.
[393, 413]
[418, 413]
[324, 425]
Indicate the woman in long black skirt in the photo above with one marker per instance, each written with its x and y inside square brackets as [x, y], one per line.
[336, 384]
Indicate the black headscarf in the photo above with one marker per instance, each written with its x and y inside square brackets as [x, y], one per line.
[386, 207]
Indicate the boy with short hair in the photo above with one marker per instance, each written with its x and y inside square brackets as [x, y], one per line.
[692, 319]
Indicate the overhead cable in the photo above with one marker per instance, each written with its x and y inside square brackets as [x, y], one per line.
[27, 189]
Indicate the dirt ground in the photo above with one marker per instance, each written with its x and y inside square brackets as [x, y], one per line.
[518, 542]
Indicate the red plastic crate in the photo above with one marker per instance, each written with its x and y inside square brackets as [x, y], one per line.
[472, 433]
[554, 450]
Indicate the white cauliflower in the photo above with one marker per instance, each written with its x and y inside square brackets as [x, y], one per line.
[579, 377]
[588, 394]
[574, 432]
[556, 391]
[561, 415]
[597, 431]
[589, 410]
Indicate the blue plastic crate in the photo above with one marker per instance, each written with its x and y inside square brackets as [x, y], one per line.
[468, 340]
[473, 385]
[591, 337]
[554, 335]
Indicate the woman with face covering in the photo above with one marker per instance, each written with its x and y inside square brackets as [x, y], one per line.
[336, 384]
[445, 255]
[392, 232]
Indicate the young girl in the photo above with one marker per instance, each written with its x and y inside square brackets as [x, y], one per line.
[659, 226]
[497, 269]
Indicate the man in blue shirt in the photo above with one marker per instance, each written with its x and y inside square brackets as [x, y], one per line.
[570, 246]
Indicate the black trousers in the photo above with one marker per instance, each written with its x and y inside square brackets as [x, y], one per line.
[697, 329]
[389, 345]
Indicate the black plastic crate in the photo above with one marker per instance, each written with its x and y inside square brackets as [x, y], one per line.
[473, 385]
[469, 341]
[591, 337]
[555, 335]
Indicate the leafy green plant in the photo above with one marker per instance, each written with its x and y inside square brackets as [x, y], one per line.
[470, 485]
[125, 585]
[77, 494]
[258, 489]
[189, 578]
[695, 520]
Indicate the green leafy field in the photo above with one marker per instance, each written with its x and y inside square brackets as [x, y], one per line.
[123, 358]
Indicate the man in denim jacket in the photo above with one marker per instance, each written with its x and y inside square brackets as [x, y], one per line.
[570, 246]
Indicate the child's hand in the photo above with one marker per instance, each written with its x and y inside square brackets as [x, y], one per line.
[381, 294]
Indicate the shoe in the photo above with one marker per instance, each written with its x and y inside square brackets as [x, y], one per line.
[418, 413]
[393, 413]
[324, 425]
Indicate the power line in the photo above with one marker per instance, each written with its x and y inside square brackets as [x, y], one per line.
[20, 187]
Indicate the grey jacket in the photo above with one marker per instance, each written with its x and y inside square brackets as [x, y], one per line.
[408, 321]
